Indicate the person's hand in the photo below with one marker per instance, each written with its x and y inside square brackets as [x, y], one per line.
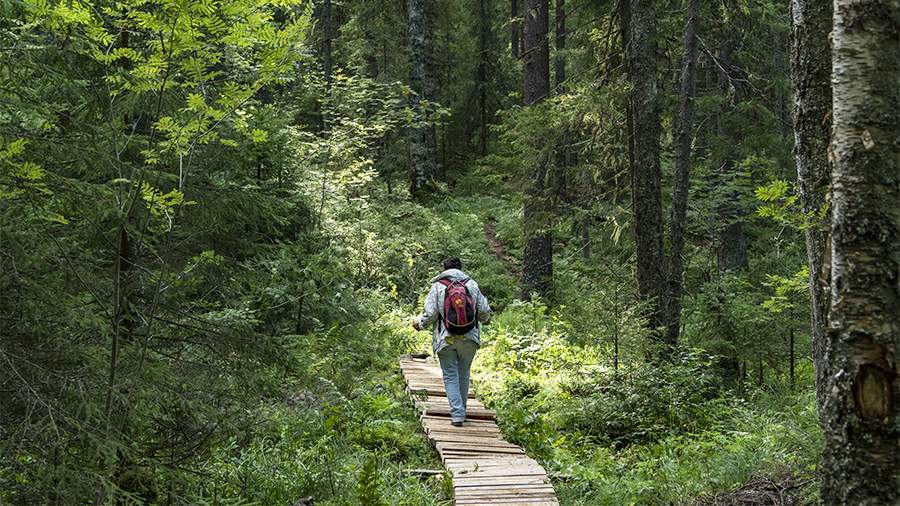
[416, 325]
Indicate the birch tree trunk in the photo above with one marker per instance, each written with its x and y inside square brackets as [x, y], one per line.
[811, 76]
[422, 141]
[537, 271]
[684, 123]
[861, 459]
[646, 171]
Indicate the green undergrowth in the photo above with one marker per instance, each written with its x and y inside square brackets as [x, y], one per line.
[342, 433]
[649, 433]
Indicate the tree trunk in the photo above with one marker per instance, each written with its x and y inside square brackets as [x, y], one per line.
[326, 43]
[684, 123]
[811, 76]
[327, 62]
[646, 171]
[515, 35]
[791, 358]
[731, 253]
[484, 23]
[861, 461]
[562, 148]
[537, 271]
[560, 63]
[625, 35]
[422, 142]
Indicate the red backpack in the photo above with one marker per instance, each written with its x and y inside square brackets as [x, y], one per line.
[460, 314]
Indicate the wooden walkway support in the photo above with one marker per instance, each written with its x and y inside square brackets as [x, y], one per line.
[486, 469]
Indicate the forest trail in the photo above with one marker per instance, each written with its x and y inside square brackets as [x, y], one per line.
[486, 469]
[510, 263]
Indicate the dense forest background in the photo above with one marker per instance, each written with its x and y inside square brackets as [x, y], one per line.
[217, 219]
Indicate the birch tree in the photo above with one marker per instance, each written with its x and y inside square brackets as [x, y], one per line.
[861, 461]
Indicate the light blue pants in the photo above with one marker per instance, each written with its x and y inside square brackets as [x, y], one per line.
[456, 362]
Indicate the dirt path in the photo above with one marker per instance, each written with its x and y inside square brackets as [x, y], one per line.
[512, 266]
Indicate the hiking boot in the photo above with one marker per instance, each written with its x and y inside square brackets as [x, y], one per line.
[456, 424]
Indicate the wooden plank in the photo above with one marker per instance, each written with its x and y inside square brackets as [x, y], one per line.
[499, 461]
[427, 377]
[511, 493]
[453, 446]
[507, 501]
[434, 390]
[444, 410]
[443, 422]
[427, 406]
[517, 501]
[530, 502]
[448, 453]
[445, 427]
[485, 440]
[501, 482]
[475, 439]
[443, 400]
[465, 474]
[461, 433]
[468, 423]
[460, 464]
[476, 443]
[513, 490]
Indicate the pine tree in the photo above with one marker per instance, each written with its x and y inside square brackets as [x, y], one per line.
[538, 259]
[646, 173]
[684, 123]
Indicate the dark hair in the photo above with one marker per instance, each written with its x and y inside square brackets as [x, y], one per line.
[452, 263]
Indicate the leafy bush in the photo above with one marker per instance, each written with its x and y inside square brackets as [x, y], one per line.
[649, 401]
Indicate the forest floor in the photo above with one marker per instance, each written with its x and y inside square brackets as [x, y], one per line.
[512, 266]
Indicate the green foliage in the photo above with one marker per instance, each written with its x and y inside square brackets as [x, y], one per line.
[368, 487]
[651, 401]
[781, 205]
[20, 177]
[208, 263]
[788, 291]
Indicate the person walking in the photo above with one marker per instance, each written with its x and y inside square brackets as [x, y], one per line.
[456, 308]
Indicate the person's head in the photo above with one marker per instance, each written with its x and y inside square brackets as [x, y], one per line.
[452, 263]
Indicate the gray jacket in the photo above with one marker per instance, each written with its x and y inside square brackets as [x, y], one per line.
[434, 306]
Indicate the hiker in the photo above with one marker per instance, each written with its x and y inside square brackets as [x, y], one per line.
[455, 306]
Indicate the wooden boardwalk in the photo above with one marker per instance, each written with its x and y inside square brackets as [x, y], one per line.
[486, 469]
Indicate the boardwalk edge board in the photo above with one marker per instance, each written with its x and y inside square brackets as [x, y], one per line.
[486, 469]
